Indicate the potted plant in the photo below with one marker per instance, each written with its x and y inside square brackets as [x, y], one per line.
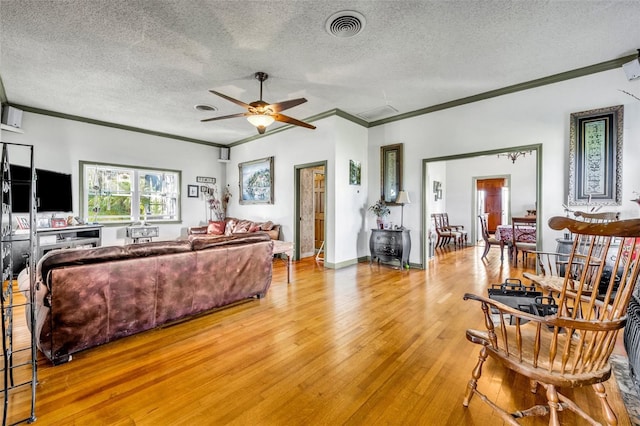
[380, 210]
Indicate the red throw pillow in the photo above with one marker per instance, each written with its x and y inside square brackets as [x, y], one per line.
[254, 227]
[215, 227]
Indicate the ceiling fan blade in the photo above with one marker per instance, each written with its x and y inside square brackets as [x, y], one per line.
[290, 120]
[235, 101]
[240, 114]
[281, 106]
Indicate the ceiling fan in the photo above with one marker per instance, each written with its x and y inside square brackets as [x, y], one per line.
[261, 114]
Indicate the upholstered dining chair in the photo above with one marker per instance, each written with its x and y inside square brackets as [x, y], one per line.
[524, 236]
[569, 348]
[489, 240]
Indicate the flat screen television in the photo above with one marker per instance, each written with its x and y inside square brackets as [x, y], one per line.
[53, 190]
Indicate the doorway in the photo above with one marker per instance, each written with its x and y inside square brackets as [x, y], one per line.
[311, 202]
[492, 195]
[523, 191]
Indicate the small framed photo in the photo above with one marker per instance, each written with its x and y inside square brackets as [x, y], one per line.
[192, 191]
[58, 223]
[204, 189]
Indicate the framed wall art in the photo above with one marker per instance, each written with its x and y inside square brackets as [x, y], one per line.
[192, 191]
[354, 172]
[390, 172]
[595, 157]
[437, 190]
[256, 181]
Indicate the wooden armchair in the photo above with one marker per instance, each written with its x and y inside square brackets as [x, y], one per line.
[572, 347]
[456, 228]
[444, 232]
[602, 217]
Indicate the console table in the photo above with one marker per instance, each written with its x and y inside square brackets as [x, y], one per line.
[67, 237]
[53, 238]
[390, 244]
[142, 233]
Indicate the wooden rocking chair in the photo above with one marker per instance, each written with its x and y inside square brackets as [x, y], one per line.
[570, 348]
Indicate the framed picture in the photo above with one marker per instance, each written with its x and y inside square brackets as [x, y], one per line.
[192, 191]
[437, 190]
[256, 181]
[595, 157]
[390, 172]
[58, 223]
[354, 172]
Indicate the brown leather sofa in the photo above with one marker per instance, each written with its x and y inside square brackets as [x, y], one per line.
[88, 297]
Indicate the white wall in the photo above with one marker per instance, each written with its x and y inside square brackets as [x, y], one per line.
[536, 116]
[60, 144]
[529, 117]
[459, 188]
[335, 141]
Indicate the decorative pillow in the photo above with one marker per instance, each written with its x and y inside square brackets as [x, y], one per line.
[231, 223]
[267, 226]
[216, 227]
[242, 226]
[254, 227]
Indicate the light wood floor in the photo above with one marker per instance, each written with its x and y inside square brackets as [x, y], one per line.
[361, 345]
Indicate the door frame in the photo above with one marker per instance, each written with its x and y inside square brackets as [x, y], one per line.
[296, 204]
[474, 200]
[425, 221]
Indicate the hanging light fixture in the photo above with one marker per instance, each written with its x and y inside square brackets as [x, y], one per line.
[260, 120]
[513, 156]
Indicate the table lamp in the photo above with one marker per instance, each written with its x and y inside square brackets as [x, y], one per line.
[402, 199]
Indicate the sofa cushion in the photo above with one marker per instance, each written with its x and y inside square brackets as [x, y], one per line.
[216, 227]
[84, 256]
[267, 226]
[203, 242]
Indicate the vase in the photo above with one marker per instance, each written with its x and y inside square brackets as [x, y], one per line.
[380, 222]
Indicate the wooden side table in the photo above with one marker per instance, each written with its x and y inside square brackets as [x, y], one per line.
[390, 244]
[286, 248]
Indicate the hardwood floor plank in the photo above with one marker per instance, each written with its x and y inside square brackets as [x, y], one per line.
[366, 344]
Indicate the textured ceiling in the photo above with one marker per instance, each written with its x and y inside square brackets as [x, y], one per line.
[145, 64]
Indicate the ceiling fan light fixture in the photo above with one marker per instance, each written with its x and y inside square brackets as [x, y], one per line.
[260, 120]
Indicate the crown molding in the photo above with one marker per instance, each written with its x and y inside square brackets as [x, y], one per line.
[555, 78]
[325, 114]
[113, 125]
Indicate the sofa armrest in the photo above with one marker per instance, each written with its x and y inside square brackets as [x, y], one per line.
[197, 230]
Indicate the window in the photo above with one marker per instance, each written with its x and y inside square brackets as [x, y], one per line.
[114, 193]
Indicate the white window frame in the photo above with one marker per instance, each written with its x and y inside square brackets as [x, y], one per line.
[136, 193]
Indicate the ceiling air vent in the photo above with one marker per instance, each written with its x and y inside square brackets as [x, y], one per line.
[345, 24]
[378, 113]
[205, 107]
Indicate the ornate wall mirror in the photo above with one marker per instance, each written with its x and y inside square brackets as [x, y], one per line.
[390, 172]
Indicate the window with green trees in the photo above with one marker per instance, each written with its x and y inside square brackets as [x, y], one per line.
[114, 193]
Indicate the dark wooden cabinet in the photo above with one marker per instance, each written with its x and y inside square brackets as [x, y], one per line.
[390, 244]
